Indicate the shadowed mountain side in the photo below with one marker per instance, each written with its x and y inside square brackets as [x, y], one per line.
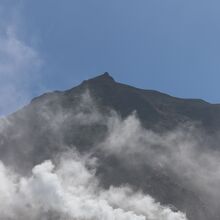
[156, 110]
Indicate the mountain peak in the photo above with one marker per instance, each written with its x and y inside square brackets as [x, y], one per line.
[103, 78]
[106, 74]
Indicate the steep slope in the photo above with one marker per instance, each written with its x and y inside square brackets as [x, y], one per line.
[77, 118]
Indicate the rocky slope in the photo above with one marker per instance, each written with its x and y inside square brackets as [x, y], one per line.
[80, 118]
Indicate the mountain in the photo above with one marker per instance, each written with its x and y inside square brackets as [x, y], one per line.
[77, 118]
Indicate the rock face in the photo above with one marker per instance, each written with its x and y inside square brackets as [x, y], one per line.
[77, 118]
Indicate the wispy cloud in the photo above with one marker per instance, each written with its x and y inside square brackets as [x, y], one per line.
[186, 154]
[19, 63]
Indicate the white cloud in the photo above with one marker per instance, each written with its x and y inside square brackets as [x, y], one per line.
[70, 190]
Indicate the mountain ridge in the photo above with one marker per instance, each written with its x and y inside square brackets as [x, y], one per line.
[107, 78]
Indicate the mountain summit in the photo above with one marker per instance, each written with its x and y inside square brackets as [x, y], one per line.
[103, 78]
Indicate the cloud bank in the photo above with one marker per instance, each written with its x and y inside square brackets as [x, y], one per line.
[70, 190]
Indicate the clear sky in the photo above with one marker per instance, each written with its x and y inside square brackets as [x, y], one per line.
[168, 45]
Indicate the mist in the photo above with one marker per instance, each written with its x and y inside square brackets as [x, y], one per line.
[186, 153]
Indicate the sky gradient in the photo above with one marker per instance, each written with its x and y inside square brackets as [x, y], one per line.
[168, 45]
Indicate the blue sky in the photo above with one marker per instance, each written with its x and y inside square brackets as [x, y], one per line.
[168, 45]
